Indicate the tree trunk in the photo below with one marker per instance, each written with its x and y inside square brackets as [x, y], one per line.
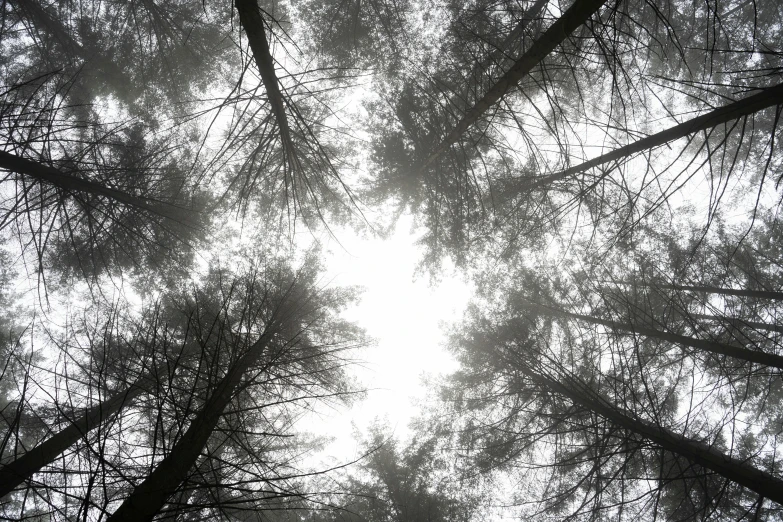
[739, 471]
[148, 498]
[253, 24]
[46, 24]
[736, 352]
[21, 469]
[740, 323]
[52, 176]
[758, 294]
[574, 17]
[500, 55]
[763, 100]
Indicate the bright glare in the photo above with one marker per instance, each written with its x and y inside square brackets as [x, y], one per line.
[403, 312]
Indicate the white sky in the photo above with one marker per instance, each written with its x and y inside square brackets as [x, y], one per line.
[403, 313]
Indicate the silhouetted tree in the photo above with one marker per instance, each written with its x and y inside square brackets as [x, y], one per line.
[594, 428]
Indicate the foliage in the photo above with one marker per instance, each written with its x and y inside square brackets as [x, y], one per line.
[606, 173]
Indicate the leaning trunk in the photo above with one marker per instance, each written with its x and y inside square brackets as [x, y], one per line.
[579, 13]
[736, 470]
[500, 56]
[757, 294]
[717, 348]
[253, 24]
[21, 469]
[739, 324]
[148, 498]
[51, 176]
[763, 100]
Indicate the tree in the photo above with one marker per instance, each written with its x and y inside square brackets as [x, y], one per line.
[118, 48]
[714, 347]
[571, 19]
[146, 342]
[482, 195]
[205, 359]
[616, 445]
[394, 483]
[79, 193]
[605, 171]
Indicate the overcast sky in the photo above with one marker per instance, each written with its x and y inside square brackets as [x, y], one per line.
[403, 312]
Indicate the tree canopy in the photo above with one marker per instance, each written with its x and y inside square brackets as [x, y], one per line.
[606, 175]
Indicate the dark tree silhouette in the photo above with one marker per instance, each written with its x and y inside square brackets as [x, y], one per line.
[606, 173]
[524, 387]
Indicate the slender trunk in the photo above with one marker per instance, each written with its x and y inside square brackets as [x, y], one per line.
[763, 100]
[736, 470]
[740, 323]
[52, 176]
[253, 23]
[148, 498]
[21, 469]
[14, 473]
[527, 17]
[574, 17]
[758, 294]
[500, 55]
[46, 24]
[736, 352]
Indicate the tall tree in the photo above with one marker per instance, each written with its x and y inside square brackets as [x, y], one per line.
[200, 350]
[524, 388]
[110, 346]
[597, 100]
[605, 170]
[393, 481]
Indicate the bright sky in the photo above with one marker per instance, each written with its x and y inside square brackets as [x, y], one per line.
[403, 313]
